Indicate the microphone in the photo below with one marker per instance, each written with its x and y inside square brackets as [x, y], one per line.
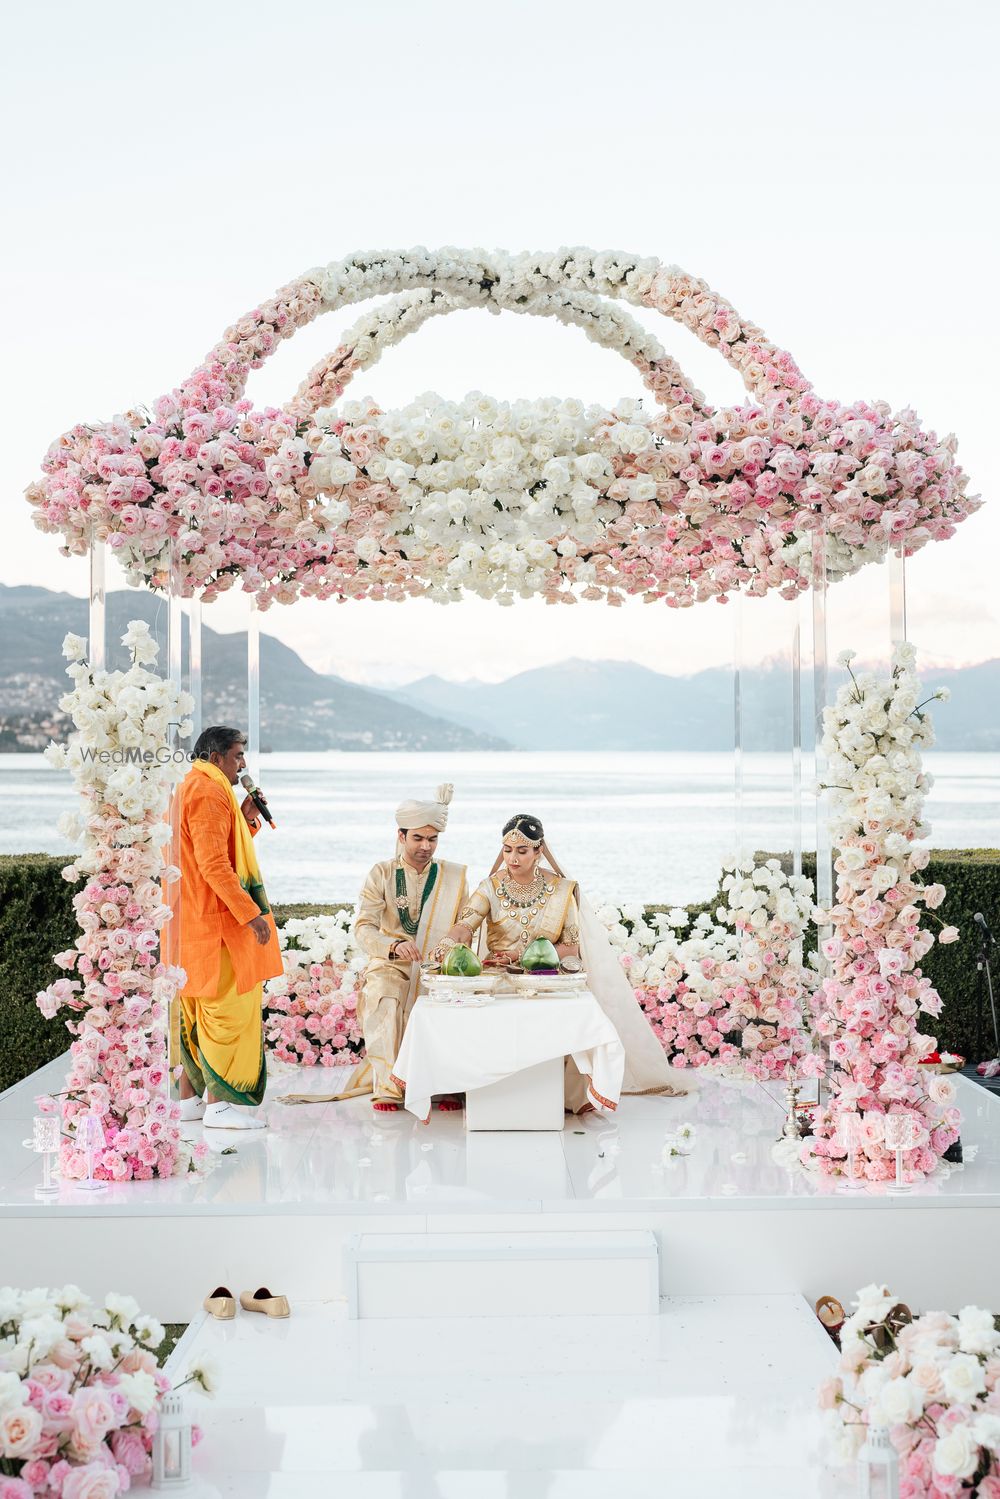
[983, 924]
[257, 797]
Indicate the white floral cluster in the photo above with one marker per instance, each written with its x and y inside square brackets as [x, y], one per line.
[931, 1382]
[493, 487]
[667, 947]
[873, 737]
[319, 939]
[121, 756]
[605, 323]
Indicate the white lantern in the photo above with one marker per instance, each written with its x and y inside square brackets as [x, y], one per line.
[878, 1466]
[172, 1444]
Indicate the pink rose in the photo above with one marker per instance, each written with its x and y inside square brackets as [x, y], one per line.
[94, 1481]
[93, 1415]
[20, 1429]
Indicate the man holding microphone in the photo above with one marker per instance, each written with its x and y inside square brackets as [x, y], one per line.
[228, 941]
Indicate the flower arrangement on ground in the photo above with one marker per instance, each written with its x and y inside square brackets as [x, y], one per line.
[729, 991]
[934, 1383]
[869, 1004]
[79, 1394]
[117, 1004]
[310, 1012]
[548, 497]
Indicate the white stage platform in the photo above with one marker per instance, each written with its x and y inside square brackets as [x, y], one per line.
[714, 1396]
[727, 1219]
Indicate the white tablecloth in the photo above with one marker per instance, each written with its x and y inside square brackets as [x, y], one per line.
[453, 1048]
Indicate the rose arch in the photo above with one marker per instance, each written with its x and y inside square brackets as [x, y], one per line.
[676, 502]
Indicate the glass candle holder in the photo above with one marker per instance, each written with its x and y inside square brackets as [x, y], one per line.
[45, 1142]
[848, 1130]
[90, 1139]
[899, 1137]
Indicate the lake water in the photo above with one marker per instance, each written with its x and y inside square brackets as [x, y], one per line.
[645, 827]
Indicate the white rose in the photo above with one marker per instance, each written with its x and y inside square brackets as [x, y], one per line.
[957, 1454]
[963, 1378]
[986, 1430]
[900, 1401]
[74, 647]
[12, 1392]
[976, 1332]
[139, 1390]
[121, 1309]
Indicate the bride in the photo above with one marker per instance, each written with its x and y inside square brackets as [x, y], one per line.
[524, 899]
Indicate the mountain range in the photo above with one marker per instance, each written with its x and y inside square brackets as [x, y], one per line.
[300, 709]
[620, 705]
[596, 705]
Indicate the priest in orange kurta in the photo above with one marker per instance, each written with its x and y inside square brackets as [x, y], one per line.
[228, 943]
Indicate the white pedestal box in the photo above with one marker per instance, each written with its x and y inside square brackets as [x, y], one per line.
[531, 1099]
[534, 1274]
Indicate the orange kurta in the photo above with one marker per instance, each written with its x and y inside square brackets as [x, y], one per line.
[214, 907]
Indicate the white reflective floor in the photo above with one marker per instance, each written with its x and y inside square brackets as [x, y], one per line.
[714, 1397]
[339, 1158]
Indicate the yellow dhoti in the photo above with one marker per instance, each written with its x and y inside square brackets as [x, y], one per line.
[222, 1040]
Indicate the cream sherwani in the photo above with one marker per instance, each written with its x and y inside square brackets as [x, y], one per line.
[389, 988]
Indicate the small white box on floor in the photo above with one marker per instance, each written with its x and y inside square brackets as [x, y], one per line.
[534, 1274]
[531, 1099]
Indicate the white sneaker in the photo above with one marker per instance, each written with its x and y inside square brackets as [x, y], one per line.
[192, 1108]
[227, 1116]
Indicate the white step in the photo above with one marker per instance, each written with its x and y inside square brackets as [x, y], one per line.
[531, 1274]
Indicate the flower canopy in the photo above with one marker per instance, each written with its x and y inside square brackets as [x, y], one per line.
[679, 501]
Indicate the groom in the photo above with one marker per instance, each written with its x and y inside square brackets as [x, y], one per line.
[407, 905]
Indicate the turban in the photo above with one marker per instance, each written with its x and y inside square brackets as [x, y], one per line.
[433, 814]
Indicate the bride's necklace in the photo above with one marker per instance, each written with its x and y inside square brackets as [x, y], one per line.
[524, 901]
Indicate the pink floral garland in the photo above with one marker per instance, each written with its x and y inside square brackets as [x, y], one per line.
[731, 495]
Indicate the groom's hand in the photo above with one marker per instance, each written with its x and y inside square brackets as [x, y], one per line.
[406, 952]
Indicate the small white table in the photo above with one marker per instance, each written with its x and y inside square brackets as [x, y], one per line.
[507, 1058]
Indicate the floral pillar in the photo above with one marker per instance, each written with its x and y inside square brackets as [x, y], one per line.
[874, 991]
[116, 1002]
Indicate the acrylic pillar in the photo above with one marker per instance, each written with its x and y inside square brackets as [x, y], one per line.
[796, 686]
[253, 683]
[897, 594]
[170, 932]
[194, 665]
[824, 852]
[97, 625]
[736, 604]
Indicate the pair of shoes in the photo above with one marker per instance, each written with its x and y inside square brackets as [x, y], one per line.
[264, 1301]
[221, 1304]
[227, 1116]
[385, 1105]
[191, 1109]
[831, 1314]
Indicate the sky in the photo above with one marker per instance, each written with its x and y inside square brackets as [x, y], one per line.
[830, 170]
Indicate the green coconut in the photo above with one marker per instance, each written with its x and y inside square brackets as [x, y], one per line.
[539, 954]
[461, 963]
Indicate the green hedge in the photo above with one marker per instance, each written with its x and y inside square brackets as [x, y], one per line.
[37, 920]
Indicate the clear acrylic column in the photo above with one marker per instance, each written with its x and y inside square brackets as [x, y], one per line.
[170, 942]
[736, 604]
[824, 852]
[253, 683]
[796, 767]
[97, 623]
[194, 664]
[897, 594]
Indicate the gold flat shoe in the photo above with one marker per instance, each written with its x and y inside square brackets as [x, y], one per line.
[221, 1304]
[262, 1301]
